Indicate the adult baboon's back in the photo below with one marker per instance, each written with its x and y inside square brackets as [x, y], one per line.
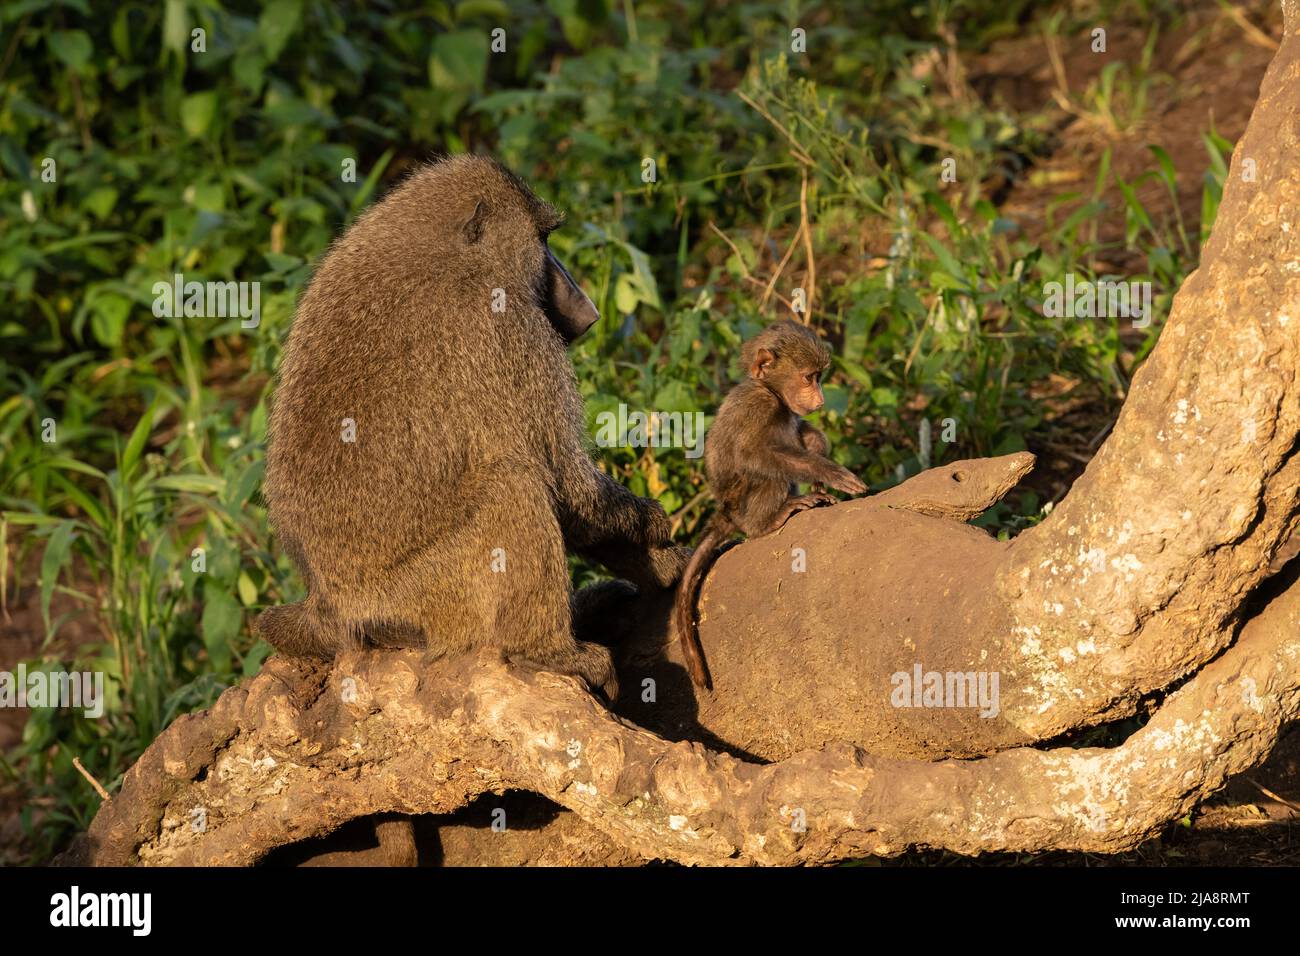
[426, 465]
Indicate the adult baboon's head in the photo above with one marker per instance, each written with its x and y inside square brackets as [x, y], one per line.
[503, 209]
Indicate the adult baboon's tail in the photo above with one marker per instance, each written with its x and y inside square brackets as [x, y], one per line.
[297, 629]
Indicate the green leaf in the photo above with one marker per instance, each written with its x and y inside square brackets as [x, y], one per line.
[197, 484]
[642, 276]
[279, 21]
[501, 101]
[209, 197]
[197, 111]
[1218, 148]
[253, 660]
[247, 589]
[247, 484]
[73, 47]
[100, 201]
[675, 396]
[1166, 164]
[837, 400]
[1009, 445]
[944, 211]
[109, 318]
[856, 372]
[281, 263]
[494, 9]
[28, 520]
[249, 69]
[578, 18]
[57, 548]
[222, 619]
[459, 60]
[942, 280]
[120, 33]
[176, 27]
[1087, 211]
[71, 464]
[139, 435]
[884, 397]
[367, 188]
[1134, 204]
[93, 509]
[946, 258]
[625, 294]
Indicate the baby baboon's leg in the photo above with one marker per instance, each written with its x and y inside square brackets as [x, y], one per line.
[791, 507]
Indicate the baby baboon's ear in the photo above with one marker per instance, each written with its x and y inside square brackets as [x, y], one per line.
[762, 363]
[473, 230]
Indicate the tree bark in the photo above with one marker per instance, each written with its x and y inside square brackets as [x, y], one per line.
[301, 749]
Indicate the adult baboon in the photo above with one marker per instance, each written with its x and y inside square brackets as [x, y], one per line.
[426, 467]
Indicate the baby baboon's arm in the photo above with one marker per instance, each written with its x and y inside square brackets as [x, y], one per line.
[801, 465]
[813, 439]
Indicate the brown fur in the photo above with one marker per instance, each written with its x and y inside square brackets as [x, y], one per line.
[469, 437]
[756, 453]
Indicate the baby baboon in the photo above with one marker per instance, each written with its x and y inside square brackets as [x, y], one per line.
[426, 468]
[756, 453]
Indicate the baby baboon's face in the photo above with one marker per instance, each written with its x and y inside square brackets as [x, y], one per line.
[801, 386]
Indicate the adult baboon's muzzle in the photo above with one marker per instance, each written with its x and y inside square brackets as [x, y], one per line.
[567, 306]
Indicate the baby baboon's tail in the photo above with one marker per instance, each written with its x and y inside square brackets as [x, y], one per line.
[688, 634]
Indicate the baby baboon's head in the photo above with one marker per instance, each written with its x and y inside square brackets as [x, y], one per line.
[790, 360]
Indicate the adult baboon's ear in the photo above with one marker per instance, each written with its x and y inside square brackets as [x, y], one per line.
[473, 230]
[567, 306]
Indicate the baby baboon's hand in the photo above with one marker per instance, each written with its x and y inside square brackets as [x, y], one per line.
[847, 482]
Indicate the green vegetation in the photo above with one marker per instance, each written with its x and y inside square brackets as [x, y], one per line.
[227, 164]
